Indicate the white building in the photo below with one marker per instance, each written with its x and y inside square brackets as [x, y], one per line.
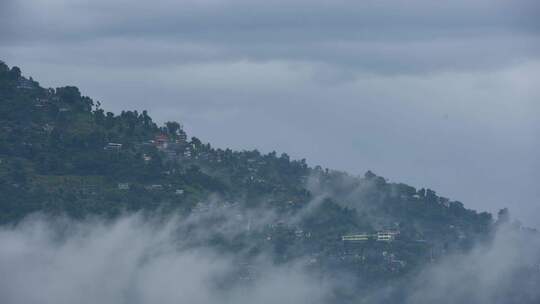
[123, 186]
[147, 158]
[386, 236]
[25, 84]
[356, 237]
[382, 236]
[113, 146]
[154, 187]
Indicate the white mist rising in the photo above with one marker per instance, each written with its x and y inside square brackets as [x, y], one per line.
[131, 260]
[138, 259]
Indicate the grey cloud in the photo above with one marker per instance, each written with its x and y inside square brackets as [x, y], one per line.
[490, 273]
[140, 259]
[396, 37]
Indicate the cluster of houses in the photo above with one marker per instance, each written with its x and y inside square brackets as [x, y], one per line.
[172, 149]
[253, 166]
[25, 84]
[41, 102]
[152, 187]
[45, 100]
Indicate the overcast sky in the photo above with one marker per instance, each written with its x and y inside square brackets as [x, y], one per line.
[442, 94]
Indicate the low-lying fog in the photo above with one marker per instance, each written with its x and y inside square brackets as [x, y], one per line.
[141, 259]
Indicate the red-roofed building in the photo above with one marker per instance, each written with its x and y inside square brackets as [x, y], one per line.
[161, 141]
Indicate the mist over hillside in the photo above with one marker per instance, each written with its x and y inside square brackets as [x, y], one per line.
[135, 259]
[113, 208]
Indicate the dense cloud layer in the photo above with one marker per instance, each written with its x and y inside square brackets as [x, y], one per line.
[433, 93]
[494, 273]
[381, 37]
[137, 259]
[133, 261]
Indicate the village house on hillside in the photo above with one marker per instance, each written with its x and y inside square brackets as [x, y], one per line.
[161, 141]
[123, 186]
[381, 236]
[25, 84]
[113, 146]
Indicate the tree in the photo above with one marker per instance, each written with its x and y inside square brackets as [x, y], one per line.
[146, 119]
[431, 196]
[503, 216]
[196, 143]
[369, 175]
[69, 94]
[15, 73]
[3, 67]
[173, 128]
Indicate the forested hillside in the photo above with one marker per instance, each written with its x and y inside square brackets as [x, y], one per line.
[62, 154]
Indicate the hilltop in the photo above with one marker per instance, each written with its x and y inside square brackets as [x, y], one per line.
[62, 154]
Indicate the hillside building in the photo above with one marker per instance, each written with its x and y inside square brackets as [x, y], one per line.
[113, 147]
[386, 236]
[356, 237]
[123, 186]
[381, 236]
[25, 84]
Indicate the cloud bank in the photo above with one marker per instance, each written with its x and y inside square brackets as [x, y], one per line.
[133, 260]
[141, 259]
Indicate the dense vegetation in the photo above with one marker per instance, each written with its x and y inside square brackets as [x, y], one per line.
[61, 153]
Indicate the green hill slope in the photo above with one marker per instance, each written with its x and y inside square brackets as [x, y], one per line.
[60, 153]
